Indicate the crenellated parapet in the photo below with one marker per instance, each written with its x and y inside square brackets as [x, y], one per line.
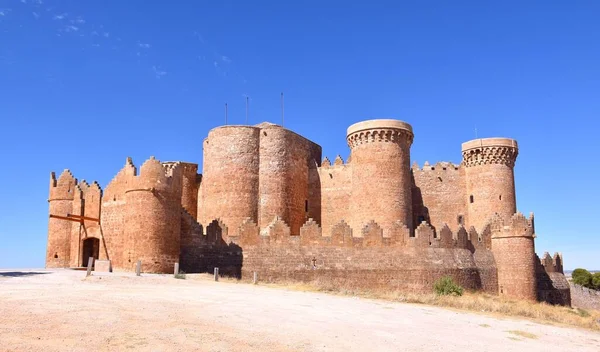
[337, 162]
[552, 264]
[439, 166]
[62, 188]
[371, 235]
[516, 226]
[376, 131]
[490, 151]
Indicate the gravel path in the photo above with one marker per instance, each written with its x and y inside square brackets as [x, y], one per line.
[63, 311]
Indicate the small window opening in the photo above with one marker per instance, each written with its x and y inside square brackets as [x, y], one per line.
[55, 255]
[500, 197]
[306, 206]
[460, 220]
[471, 198]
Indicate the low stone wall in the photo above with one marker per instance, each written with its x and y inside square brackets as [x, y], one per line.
[582, 297]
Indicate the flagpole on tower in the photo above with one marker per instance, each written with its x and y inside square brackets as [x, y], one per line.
[225, 113]
[282, 110]
[246, 109]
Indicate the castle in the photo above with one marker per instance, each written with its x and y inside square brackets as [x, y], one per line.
[266, 202]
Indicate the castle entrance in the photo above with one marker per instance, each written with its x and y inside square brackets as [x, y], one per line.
[91, 248]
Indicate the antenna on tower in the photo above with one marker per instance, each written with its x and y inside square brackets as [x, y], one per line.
[282, 110]
[226, 113]
[247, 109]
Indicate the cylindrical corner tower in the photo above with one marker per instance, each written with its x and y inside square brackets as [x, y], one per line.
[514, 253]
[60, 202]
[230, 176]
[381, 182]
[153, 219]
[490, 182]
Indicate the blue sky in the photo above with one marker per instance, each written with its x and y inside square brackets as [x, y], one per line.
[84, 84]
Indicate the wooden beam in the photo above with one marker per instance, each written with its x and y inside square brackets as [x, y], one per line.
[66, 218]
[83, 217]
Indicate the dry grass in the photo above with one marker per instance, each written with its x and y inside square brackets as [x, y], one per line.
[470, 301]
[523, 334]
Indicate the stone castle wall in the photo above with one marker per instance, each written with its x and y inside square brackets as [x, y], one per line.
[365, 258]
[377, 221]
[439, 195]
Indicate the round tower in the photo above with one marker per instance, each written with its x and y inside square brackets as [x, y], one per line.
[153, 217]
[285, 158]
[230, 176]
[60, 203]
[381, 181]
[490, 181]
[514, 253]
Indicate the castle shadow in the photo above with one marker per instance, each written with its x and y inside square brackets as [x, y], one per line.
[21, 273]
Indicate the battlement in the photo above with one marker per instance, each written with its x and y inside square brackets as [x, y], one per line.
[63, 187]
[517, 226]
[338, 161]
[155, 175]
[277, 233]
[382, 130]
[490, 151]
[552, 264]
[439, 166]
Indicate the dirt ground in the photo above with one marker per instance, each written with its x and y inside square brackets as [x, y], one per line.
[64, 311]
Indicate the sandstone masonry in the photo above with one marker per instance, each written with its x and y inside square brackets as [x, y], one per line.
[268, 202]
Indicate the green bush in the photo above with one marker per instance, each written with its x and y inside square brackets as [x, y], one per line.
[596, 280]
[180, 275]
[582, 277]
[446, 286]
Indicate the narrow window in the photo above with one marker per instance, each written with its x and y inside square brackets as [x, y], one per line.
[55, 255]
[500, 197]
[460, 220]
[471, 198]
[306, 206]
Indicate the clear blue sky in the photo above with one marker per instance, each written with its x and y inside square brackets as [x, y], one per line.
[84, 84]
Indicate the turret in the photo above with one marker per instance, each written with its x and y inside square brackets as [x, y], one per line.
[490, 181]
[153, 217]
[60, 203]
[514, 252]
[381, 182]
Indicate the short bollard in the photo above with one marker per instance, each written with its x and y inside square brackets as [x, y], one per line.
[90, 264]
[176, 271]
[138, 268]
[255, 280]
[216, 274]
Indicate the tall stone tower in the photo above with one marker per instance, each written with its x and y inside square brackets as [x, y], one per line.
[153, 217]
[381, 182]
[514, 253]
[59, 231]
[230, 175]
[258, 172]
[490, 181]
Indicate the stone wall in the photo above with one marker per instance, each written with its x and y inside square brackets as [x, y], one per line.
[336, 193]
[363, 258]
[439, 195]
[583, 297]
